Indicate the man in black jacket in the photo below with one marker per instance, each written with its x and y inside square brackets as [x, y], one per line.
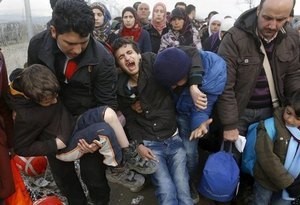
[87, 76]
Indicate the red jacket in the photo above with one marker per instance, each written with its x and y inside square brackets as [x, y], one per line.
[6, 125]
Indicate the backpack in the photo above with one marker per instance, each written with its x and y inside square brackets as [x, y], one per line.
[221, 176]
[249, 154]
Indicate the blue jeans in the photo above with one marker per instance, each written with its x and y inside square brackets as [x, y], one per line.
[264, 196]
[171, 178]
[191, 147]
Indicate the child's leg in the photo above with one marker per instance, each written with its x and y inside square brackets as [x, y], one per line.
[103, 114]
[111, 118]
[100, 133]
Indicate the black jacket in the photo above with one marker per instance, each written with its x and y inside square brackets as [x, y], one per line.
[94, 82]
[157, 122]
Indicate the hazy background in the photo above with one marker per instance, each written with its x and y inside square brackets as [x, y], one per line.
[16, 8]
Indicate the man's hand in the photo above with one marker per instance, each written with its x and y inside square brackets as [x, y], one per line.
[137, 107]
[201, 130]
[146, 153]
[87, 148]
[199, 98]
[231, 135]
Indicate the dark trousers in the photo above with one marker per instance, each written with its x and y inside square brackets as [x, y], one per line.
[92, 172]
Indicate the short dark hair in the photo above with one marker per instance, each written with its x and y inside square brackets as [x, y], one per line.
[73, 15]
[120, 42]
[294, 102]
[180, 3]
[190, 8]
[38, 82]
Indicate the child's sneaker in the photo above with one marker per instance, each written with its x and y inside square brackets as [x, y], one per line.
[125, 177]
[133, 161]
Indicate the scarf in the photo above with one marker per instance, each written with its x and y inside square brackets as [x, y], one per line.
[101, 33]
[163, 24]
[133, 33]
[292, 160]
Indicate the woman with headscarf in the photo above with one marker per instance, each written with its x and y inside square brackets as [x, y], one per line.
[181, 32]
[212, 42]
[131, 28]
[158, 26]
[102, 31]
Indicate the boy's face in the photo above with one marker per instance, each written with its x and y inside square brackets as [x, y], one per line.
[290, 117]
[128, 59]
[49, 100]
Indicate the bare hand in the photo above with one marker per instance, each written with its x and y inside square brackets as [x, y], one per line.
[201, 130]
[231, 135]
[137, 107]
[146, 153]
[87, 148]
[199, 98]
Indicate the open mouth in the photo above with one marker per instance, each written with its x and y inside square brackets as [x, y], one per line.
[130, 65]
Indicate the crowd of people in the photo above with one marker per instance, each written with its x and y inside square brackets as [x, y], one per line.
[135, 96]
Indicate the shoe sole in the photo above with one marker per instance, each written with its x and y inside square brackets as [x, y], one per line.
[142, 170]
[140, 180]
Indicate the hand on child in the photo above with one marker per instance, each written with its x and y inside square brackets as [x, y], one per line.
[199, 98]
[146, 153]
[201, 130]
[87, 148]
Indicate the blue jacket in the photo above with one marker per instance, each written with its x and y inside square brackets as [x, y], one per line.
[213, 84]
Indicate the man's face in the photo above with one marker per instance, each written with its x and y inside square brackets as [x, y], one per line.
[272, 17]
[128, 59]
[143, 11]
[70, 43]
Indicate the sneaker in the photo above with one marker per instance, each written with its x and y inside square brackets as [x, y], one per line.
[125, 177]
[133, 161]
[194, 194]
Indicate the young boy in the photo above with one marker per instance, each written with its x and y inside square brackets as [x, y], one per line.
[277, 165]
[149, 112]
[43, 126]
[172, 73]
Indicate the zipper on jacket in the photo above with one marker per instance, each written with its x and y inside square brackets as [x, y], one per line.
[90, 68]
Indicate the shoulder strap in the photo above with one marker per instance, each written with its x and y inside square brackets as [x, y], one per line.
[267, 67]
[270, 127]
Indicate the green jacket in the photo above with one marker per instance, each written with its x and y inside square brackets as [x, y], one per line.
[269, 170]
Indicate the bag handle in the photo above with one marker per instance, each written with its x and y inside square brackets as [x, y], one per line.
[222, 146]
